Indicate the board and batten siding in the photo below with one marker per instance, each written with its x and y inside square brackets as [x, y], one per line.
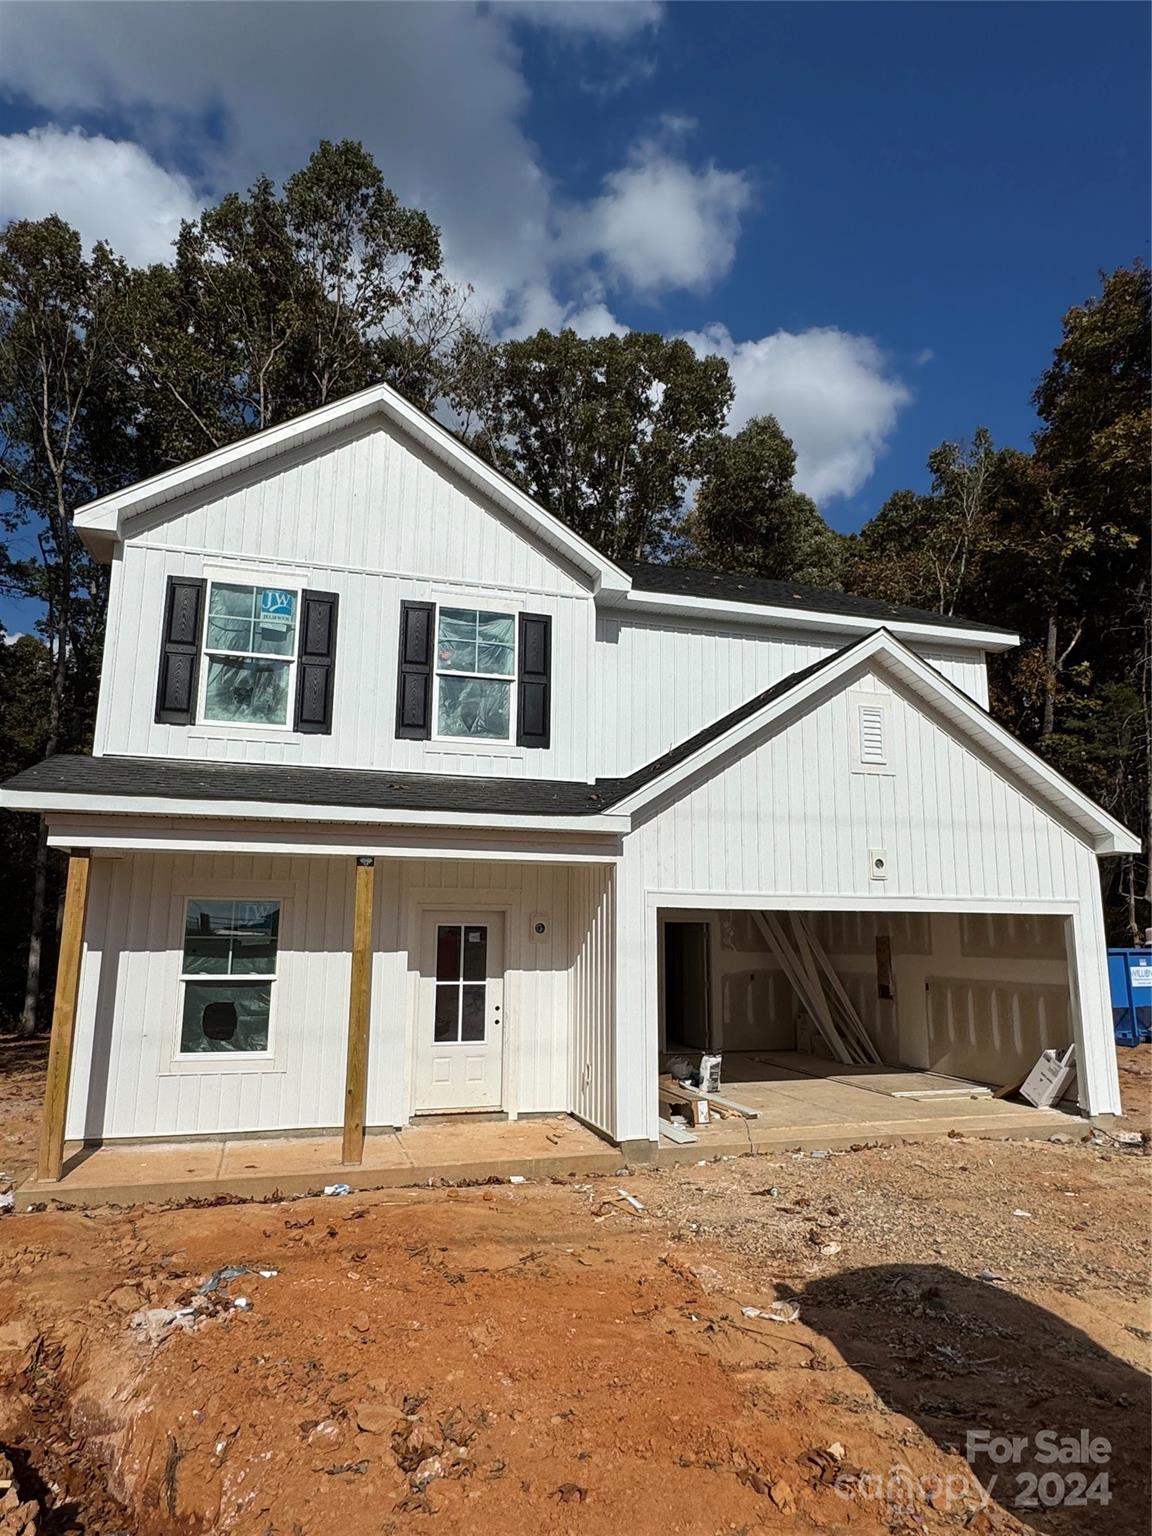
[659, 681]
[125, 1083]
[369, 518]
[124, 1080]
[592, 1088]
[793, 822]
[536, 973]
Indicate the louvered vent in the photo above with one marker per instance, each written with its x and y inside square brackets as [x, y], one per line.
[871, 734]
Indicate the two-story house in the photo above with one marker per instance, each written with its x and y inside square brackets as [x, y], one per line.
[405, 800]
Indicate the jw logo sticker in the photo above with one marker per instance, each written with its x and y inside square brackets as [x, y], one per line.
[277, 607]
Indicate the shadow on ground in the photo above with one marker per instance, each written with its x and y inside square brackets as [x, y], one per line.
[963, 1357]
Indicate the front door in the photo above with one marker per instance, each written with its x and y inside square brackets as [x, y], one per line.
[460, 1032]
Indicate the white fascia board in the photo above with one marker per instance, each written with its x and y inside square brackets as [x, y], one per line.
[101, 522]
[53, 802]
[1107, 835]
[119, 835]
[674, 605]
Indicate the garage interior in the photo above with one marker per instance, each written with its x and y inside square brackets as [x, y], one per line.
[857, 1016]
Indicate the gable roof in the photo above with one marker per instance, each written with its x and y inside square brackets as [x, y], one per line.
[730, 587]
[151, 784]
[101, 523]
[721, 741]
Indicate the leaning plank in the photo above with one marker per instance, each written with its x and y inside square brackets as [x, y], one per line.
[813, 999]
[675, 1133]
[808, 941]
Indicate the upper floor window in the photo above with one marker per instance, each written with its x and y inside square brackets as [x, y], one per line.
[475, 670]
[249, 653]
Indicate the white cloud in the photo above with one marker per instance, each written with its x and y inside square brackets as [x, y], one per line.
[832, 392]
[659, 224]
[435, 91]
[597, 18]
[106, 189]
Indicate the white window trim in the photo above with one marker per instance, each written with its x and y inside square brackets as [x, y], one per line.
[858, 702]
[254, 579]
[208, 1063]
[473, 743]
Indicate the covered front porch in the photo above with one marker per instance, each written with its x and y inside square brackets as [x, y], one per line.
[320, 997]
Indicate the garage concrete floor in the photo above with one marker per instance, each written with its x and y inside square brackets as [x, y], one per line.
[800, 1109]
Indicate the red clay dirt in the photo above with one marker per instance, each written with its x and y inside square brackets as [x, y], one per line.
[546, 1358]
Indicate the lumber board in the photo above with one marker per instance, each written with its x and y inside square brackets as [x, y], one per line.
[359, 1014]
[675, 1133]
[60, 1049]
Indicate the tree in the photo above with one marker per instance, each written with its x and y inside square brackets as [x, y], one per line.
[606, 434]
[748, 516]
[930, 550]
[26, 689]
[1092, 545]
[277, 303]
[66, 414]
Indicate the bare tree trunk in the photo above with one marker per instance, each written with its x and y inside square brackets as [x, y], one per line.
[1048, 720]
[31, 1010]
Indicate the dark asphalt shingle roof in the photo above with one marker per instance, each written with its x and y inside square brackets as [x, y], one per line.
[355, 788]
[727, 587]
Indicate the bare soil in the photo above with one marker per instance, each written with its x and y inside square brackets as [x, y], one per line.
[546, 1358]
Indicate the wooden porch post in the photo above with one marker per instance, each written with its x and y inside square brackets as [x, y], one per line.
[359, 1014]
[64, 1017]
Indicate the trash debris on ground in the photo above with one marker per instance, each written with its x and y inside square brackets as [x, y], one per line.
[517, 1178]
[337, 1189]
[7, 1202]
[156, 1323]
[778, 1312]
[990, 1275]
[1019, 1212]
[221, 1276]
[631, 1199]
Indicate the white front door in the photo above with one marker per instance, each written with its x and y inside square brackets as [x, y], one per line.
[460, 1031]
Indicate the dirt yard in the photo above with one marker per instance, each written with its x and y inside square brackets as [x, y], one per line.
[548, 1358]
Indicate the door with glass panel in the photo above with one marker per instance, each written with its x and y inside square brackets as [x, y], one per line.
[460, 1031]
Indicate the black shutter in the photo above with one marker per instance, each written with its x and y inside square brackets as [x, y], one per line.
[534, 715]
[316, 664]
[414, 683]
[180, 651]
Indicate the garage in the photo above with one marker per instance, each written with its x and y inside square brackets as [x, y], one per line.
[930, 1011]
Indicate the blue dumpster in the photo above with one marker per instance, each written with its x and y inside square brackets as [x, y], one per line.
[1130, 980]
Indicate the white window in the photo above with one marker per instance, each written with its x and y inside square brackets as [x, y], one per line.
[227, 975]
[249, 654]
[475, 673]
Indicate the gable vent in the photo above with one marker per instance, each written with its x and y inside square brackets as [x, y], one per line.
[872, 734]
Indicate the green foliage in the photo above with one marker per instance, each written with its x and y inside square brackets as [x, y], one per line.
[748, 517]
[1055, 544]
[25, 689]
[606, 434]
[280, 302]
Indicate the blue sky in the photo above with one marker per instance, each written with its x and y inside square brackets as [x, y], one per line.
[877, 212]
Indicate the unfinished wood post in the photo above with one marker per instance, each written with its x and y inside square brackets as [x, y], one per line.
[51, 1159]
[359, 1014]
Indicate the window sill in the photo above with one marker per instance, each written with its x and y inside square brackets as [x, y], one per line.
[209, 1063]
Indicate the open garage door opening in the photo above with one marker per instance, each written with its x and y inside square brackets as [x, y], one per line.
[927, 1013]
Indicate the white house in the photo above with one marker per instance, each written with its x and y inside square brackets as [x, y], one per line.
[404, 799]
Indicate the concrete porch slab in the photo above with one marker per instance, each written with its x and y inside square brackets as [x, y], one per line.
[296, 1165]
